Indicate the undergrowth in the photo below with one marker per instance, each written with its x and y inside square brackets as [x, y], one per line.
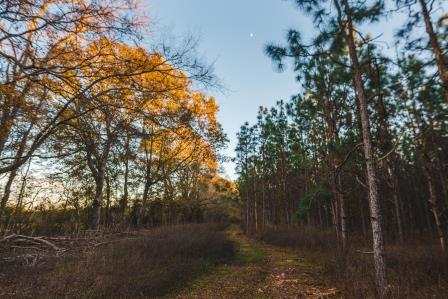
[415, 269]
[154, 263]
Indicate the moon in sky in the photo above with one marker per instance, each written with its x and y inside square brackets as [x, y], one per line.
[251, 34]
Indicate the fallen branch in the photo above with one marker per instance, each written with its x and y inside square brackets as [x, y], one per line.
[116, 241]
[34, 240]
[64, 239]
[26, 247]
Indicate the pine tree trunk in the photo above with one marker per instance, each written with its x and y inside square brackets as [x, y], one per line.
[397, 206]
[374, 200]
[363, 218]
[442, 175]
[247, 215]
[385, 143]
[434, 205]
[433, 41]
[344, 225]
[335, 218]
[255, 203]
[256, 214]
[263, 211]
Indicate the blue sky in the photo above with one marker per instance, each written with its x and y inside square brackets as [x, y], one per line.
[233, 34]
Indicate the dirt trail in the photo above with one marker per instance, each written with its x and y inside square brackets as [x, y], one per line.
[261, 271]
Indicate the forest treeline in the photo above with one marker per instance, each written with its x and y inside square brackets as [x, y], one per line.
[362, 149]
[98, 130]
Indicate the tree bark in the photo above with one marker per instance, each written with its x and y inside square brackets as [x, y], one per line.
[7, 191]
[124, 199]
[385, 144]
[434, 42]
[108, 217]
[374, 200]
[97, 202]
[148, 178]
[397, 205]
[255, 205]
[98, 172]
[13, 173]
[343, 215]
[435, 208]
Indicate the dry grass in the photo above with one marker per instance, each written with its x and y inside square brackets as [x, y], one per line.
[415, 270]
[148, 263]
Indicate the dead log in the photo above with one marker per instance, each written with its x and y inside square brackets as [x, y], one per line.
[34, 240]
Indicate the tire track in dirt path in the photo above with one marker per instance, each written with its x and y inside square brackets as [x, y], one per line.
[261, 271]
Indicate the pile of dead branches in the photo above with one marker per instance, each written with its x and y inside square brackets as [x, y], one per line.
[28, 242]
[18, 249]
[28, 250]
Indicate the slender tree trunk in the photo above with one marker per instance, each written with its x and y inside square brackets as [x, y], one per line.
[427, 216]
[443, 181]
[343, 215]
[363, 217]
[20, 196]
[433, 41]
[374, 200]
[398, 218]
[145, 199]
[435, 208]
[335, 218]
[397, 206]
[13, 173]
[5, 125]
[124, 199]
[247, 186]
[283, 184]
[263, 207]
[385, 143]
[148, 177]
[256, 214]
[97, 202]
[247, 215]
[442, 174]
[108, 201]
[7, 191]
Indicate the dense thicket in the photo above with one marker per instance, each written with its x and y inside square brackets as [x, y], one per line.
[101, 129]
[363, 146]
